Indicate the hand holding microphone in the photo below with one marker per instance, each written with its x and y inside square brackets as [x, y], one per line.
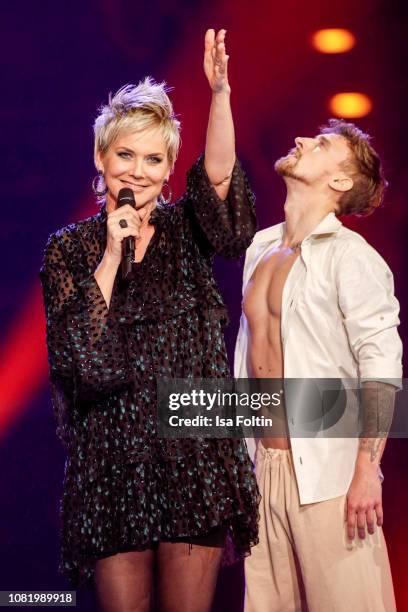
[123, 227]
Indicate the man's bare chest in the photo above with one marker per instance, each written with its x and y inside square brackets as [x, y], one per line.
[263, 294]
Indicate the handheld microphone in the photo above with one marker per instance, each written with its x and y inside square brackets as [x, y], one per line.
[126, 196]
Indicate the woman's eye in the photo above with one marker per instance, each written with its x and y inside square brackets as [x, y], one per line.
[124, 154]
[154, 159]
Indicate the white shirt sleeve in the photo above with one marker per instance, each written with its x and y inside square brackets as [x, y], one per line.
[370, 310]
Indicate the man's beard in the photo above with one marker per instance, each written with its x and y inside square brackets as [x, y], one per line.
[286, 167]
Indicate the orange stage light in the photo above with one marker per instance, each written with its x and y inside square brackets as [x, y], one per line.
[350, 105]
[333, 40]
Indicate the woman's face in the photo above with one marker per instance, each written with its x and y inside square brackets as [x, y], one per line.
[137, 160]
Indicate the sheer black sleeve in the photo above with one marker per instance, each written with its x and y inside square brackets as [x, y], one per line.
[86, 351]
[228, 225]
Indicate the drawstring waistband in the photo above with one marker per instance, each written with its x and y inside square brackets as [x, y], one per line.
[273, 453]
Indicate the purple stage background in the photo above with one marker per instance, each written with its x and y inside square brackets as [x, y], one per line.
[60, 62]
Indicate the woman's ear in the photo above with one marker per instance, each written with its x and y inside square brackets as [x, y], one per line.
[98, 161]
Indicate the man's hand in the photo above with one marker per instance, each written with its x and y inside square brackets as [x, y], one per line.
[216, 61]
[364, 502]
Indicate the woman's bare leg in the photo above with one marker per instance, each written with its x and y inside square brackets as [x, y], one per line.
[123, 582]
[187, 578]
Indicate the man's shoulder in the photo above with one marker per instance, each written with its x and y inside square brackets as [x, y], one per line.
[349, 239]
[352, 246]
[346, 238]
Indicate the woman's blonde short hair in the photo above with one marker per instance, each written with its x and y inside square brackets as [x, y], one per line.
[134, 108]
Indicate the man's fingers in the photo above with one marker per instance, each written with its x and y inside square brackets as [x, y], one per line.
[351, 523]
[370, 517]
[380, 514]
[361, 524]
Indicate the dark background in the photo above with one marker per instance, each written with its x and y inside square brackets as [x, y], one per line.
[60, 60]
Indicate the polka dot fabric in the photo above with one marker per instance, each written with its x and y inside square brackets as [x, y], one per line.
[125, 488]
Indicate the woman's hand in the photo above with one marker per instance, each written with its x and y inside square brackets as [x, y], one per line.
[105, 273]
[115, 233]
[216, 61]
[219, 156]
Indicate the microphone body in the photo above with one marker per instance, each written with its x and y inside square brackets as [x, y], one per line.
[126, 196]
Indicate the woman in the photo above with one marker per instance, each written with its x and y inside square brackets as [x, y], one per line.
[129, 497]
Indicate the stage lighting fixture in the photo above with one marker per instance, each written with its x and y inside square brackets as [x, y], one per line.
[350, 105]
[333, 40]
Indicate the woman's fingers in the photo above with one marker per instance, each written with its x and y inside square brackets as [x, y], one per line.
[220, 43]
[131, 230]
[209, 40]
[214, 45]
[216, 60]
[219, 53]
[124, 212]
[127, 213]
[220, 36]
[133, 222]
[118, 233]
[221, 60]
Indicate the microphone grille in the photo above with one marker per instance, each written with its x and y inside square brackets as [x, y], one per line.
[126, 196]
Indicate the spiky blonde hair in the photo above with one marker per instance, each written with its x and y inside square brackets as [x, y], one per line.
[138, 107]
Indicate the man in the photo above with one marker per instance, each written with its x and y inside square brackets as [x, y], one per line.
[318, 302]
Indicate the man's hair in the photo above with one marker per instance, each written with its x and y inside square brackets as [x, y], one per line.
[363, 166]
[134, 108]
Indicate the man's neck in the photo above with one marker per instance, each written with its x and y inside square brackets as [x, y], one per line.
[304, 210]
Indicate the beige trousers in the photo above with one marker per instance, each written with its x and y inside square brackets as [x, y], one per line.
[304, 560]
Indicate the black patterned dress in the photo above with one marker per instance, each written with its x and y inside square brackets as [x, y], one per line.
[125, 488]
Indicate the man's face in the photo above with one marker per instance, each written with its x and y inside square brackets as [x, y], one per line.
[315, 161]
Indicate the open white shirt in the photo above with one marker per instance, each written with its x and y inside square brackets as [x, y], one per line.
[339, 319]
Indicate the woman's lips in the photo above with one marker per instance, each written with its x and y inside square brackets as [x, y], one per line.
[135, 188]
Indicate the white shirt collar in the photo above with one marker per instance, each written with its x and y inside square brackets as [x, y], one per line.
[328, 225]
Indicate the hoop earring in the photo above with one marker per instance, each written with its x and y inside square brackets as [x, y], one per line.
[169, 195]
[98, 179]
